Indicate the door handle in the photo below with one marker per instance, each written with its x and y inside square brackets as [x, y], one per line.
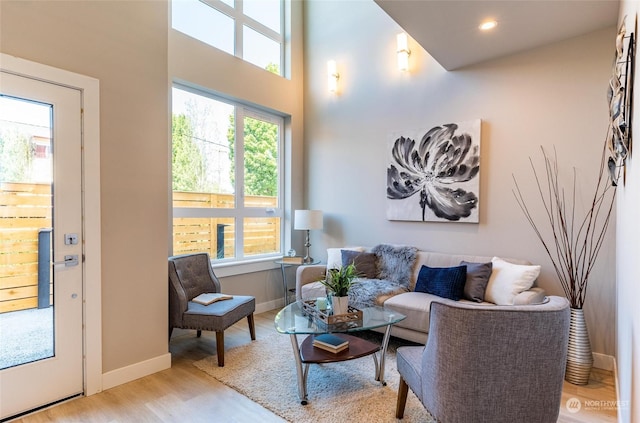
[69, 261]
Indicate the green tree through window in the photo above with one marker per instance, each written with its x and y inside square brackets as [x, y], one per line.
[187, 161]
[15, 145]
[260, 156]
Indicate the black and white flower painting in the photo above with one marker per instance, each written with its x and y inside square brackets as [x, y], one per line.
[433, 174]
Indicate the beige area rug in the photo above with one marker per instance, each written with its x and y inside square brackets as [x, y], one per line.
[264, 371]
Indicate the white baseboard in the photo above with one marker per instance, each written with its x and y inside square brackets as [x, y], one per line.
[135, 371]
[163, 362]
[270, 305]
[604, 362]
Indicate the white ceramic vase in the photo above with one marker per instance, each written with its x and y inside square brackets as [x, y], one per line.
[340, 305]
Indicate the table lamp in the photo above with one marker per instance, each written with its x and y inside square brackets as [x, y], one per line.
[307, 220]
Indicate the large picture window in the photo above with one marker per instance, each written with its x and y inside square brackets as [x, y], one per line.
[249, 29]
[226, 178]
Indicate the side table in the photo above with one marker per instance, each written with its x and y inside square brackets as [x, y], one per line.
[283, 266]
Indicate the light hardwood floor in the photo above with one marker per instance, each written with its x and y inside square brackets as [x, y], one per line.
[185, 394]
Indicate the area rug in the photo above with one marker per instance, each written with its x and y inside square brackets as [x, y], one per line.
[264, 371]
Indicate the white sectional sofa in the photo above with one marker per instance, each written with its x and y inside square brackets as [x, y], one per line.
[392, 284]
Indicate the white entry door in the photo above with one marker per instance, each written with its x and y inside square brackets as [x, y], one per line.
[41, 244]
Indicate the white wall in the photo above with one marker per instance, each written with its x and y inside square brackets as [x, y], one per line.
[553, 96]
[124, 45]
[628, 246]
[128, 46]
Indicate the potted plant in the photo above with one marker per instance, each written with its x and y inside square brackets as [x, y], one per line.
[573, 247]
[338, 281]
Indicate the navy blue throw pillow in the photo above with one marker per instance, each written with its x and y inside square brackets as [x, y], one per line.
[446, 282]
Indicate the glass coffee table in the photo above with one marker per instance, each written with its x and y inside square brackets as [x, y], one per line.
[294, 320]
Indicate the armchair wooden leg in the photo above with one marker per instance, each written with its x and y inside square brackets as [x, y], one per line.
[220, 347]
[403, 390]
[198, 333]
[252, 327]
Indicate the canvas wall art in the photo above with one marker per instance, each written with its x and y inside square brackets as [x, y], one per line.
[620, 95]
[433, 174]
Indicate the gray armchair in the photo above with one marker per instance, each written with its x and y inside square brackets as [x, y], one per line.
[489, 363]
[191, 275]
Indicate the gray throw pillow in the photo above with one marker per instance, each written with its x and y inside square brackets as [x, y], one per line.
[365, 263]
[477, 280]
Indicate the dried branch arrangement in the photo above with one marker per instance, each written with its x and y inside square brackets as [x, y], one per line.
[576, 241]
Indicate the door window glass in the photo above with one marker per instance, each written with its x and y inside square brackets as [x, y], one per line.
[26, 279]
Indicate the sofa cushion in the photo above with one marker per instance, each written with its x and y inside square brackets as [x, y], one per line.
[508, 280]
[445, 282]
[533, 295]
[395, 263]
[334, 256]
[313, 290]
[365, 263]
[414, 305]
[477, 279]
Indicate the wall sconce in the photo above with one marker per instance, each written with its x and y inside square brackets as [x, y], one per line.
[403, 52]
[332, 76]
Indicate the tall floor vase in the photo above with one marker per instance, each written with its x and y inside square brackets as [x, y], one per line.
[579, 356]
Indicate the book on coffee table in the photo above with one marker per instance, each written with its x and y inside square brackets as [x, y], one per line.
[210, 297]
[330, 342]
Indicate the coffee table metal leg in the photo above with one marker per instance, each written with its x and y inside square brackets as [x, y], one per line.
[383, 354]
[302, 374]
[377, 366]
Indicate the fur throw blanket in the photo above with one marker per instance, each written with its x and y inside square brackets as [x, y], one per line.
[395, 263]
[365, 292]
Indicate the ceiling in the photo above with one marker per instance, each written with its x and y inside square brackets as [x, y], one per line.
[448, 29]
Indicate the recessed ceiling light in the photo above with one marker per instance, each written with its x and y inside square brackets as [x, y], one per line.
[487, 25]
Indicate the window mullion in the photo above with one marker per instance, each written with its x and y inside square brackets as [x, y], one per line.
[239, 180]
[239, 37]
[261, 28]
[222, 7]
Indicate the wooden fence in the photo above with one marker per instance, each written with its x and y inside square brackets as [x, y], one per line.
[25, 209]
[217, 235]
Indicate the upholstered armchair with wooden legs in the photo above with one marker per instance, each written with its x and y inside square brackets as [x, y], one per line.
[489, 363]
[191, 275]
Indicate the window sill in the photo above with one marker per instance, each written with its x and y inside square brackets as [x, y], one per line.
[240, 268]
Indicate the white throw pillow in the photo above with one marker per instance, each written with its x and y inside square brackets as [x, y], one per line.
[508, 280]
[334, 256]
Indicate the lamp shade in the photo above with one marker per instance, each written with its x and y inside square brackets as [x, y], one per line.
[308, 219]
